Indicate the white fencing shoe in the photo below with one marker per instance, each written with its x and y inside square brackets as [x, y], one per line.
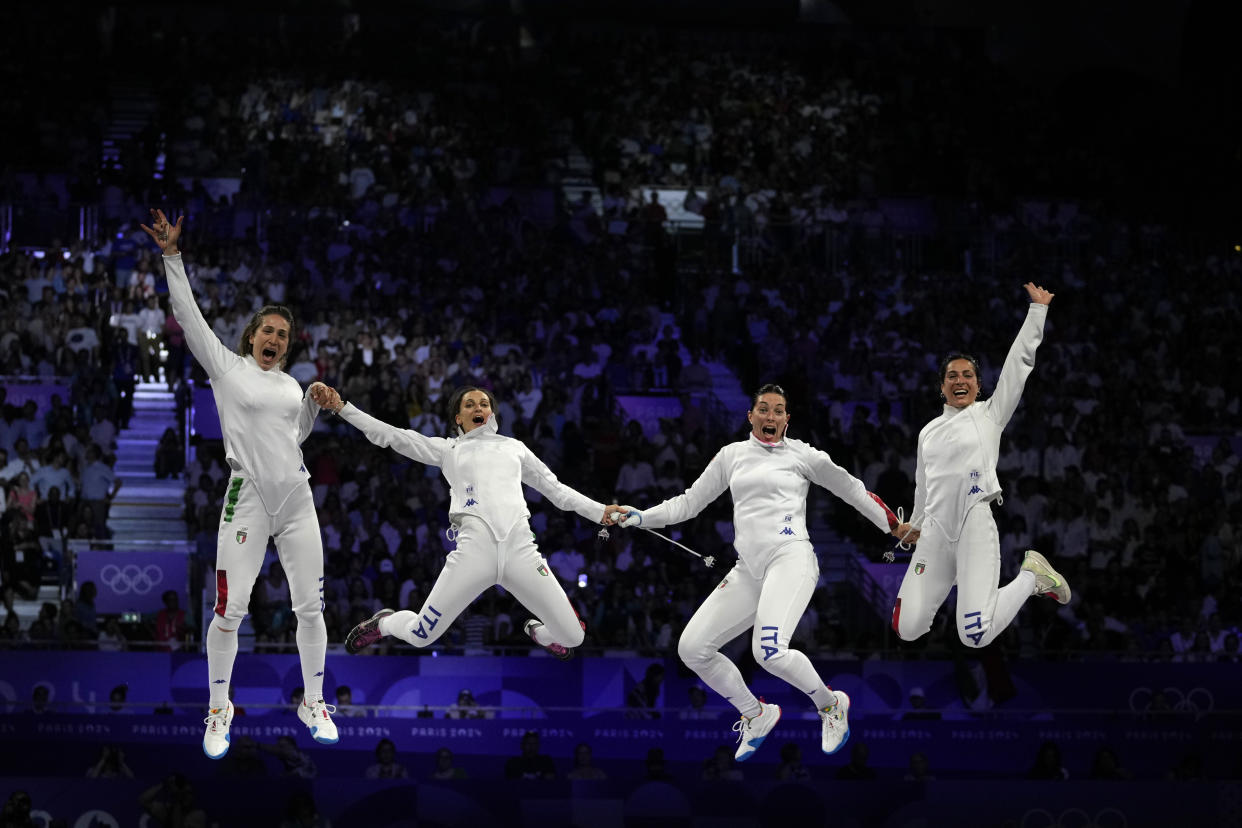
[836, 723]
[216, 738]
[1048, 582]
[751, 732]
[316, 716]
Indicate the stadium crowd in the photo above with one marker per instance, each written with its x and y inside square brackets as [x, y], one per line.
[389, 211]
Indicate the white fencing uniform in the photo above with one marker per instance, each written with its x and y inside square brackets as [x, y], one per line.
[495, 545]
[776, 572]
[264, 417]
[955, 484]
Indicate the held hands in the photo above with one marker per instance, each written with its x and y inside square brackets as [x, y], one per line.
[906, 533]
[164, 234]
[326, 397]
[623, 516]
[1038, 294]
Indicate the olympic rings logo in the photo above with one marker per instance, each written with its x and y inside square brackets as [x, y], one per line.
[1108, 817]
[123, 580]
[1197, 700]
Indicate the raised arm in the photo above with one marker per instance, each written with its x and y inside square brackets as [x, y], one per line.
[539, 477]
[1021, 358]
[215, 357]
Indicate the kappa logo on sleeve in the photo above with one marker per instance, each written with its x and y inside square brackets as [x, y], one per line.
[974, 490]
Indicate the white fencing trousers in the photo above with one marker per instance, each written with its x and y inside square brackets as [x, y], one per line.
[772, 604]
[241, 544]
[478, 562]
[973, 563]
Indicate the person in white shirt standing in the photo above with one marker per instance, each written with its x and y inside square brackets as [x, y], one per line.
[955, 485]
[768, 475]
[490, 522]
[264, 418]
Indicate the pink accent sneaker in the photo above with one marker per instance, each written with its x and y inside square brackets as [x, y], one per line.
[563, 653]
[366, 633]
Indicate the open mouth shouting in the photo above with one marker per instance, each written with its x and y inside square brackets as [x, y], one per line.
[270, 342]
[769, 432]
[474, 410]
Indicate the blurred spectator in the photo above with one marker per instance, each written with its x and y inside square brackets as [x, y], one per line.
[111, 638]
[657, 771]
[294, 761]
[445, 769]
[16, 813]
[721, 767]
[698, 700]
[465, 707]
[243, 760]
[1048, 763]
[173, 802]
[918, 707]
[386, 766]
[643, 698]
[169, 455]
[1105, 765]
[919, 769]
[111, 765]
[582, 767]
[170, 624]
[301, 812]
[857, 767]
[791, 768]
[530, 763]
[345, 702]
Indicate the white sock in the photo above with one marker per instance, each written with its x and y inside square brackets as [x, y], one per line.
[722, 675]
[221, 653]
[823, 698]
[312, 638]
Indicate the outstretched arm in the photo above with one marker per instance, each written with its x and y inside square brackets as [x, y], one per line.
[1021, 358]
[711, 483]
[215, 356]
[429, 450]
[823, 471]
[537, 475]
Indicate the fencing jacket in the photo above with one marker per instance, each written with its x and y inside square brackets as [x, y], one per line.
[769, 484]
[264, 416]
[485, 471]
[957, 451]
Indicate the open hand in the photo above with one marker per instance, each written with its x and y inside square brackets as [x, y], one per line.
[164, 233]
[1038, 294]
